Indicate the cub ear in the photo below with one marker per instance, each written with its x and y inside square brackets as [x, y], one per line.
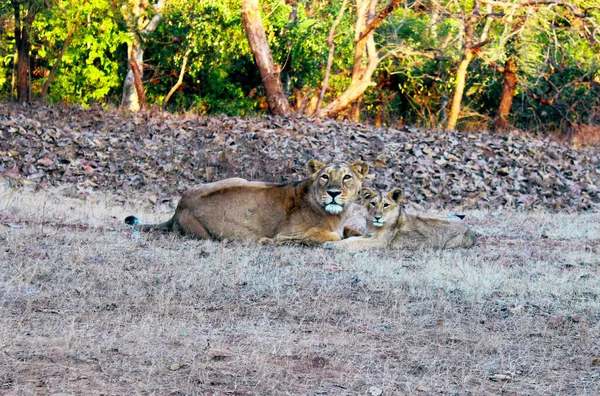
[361, 168]
[314, 167]
[396, 195]
[366, 194]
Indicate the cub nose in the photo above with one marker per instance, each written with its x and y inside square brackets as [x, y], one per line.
[377, 217]
[333, 193]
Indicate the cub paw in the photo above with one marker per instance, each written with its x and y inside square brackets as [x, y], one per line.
[330, 246]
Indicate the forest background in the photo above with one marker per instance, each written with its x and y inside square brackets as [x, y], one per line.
[454, 64]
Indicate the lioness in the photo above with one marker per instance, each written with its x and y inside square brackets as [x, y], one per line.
[308, 211]
[388, 225]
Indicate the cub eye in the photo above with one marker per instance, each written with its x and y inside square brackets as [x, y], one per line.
[386, 205]
[347, 177]
[373, 204]
[325, 177]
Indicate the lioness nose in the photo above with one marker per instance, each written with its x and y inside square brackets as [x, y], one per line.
[377, 217]
[333, 193]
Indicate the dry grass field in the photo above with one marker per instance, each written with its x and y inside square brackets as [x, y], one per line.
[88, 306]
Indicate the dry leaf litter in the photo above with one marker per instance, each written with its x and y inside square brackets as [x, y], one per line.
[163, 154]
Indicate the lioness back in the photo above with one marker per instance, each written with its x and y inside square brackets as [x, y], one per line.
[249, 211]
[310, 210]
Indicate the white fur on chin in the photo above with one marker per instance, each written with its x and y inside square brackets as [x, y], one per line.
[378, 223]
[334, 209]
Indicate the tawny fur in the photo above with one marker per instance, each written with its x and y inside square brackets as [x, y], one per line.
[309, 211]
[389, 226]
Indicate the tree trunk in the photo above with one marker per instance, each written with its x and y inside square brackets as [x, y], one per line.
[13, 80]
[137, 83]
[138, 25]
[364, 46]
[366, 58]
[131, 99]
[23, 67]
[354, 113]
[508, 93]
[470, 49]
[259, 45]
[349, 96]
[22, 44]
[461, 77]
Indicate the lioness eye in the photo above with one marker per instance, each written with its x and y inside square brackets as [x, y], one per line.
[347, 177]
[386, 205]
[324, 177]
[372, 203]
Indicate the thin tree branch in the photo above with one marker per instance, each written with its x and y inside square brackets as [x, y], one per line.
[156, 19]
[378, 19]
[477, 46]
[331, 45]
[573, 8]
[180, 79]
[491, 63]
[60, 56]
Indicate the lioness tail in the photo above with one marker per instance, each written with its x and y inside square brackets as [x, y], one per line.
[163, 227]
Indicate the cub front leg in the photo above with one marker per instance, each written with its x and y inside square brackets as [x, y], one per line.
[351, 232]
[312, 236]
[355, 244]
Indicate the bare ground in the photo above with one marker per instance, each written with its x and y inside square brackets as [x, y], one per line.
[87, 306]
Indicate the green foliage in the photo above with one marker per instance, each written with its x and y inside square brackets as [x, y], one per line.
[220, 70]
[557, 55]
[7, 51]
[89, 71]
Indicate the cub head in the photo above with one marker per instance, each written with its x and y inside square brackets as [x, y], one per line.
[336, 185]
[383, 207]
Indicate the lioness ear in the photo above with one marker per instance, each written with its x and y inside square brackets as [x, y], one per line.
[396, 195]
[314, 166]
[361, 168]
[366, 194]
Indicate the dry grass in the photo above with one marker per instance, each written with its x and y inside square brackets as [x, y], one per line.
[88, 306]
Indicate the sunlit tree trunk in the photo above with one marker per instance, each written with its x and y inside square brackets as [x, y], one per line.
[138, 25]
[460, 79]
[508, 92]
[470, 49]
[137, 83]
[259, 45]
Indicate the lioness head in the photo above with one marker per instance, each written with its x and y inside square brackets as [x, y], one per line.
[336, 185]
[382, 207]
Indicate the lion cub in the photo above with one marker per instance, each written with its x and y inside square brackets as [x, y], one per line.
[388, 225]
